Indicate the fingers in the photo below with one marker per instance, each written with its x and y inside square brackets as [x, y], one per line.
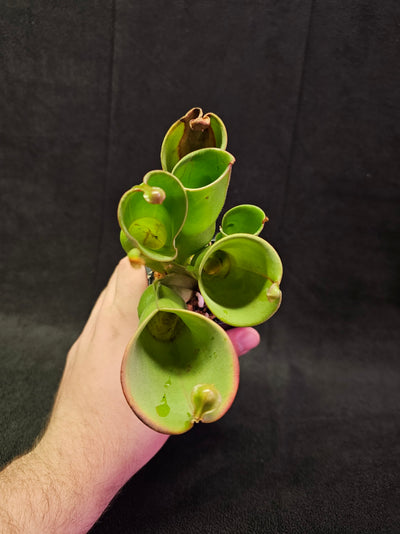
[123, 293]
[244, 339]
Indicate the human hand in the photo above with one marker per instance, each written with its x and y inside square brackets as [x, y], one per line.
[94, 442]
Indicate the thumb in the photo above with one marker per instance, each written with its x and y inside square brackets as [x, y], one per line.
[126, 287]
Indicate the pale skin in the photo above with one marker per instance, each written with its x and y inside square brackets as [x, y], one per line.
[93, 443]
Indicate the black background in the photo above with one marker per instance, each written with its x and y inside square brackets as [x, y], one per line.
[310, 93]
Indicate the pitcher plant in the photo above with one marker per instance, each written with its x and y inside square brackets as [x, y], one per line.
[180, 366]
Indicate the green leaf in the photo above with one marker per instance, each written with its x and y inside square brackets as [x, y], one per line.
[158, 296]
[205, 175]
[246, 218]
[151, 215]
[179, 368]
[239, 278]
[192, 132]
[182, 284]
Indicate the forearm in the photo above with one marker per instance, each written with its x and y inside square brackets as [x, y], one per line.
[93, 443]
[47, 492]
[29, 496]
[87, 453]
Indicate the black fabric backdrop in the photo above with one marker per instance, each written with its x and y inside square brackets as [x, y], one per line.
[310, 93]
